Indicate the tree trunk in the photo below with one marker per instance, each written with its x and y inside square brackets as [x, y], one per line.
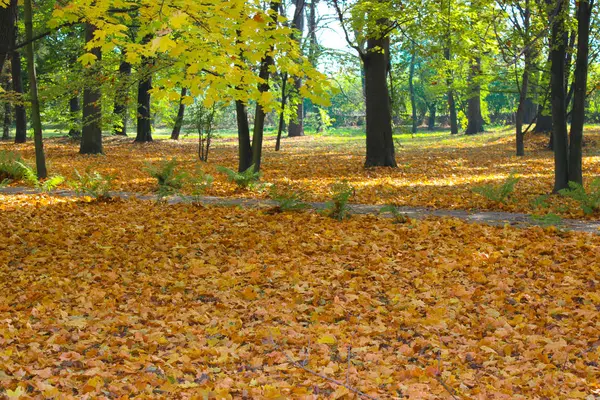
[20, 113]
[543, 123]
[380, 143]
[259, 115]
[180, 113]
[296, 125]
[244, 148]
[523, 90]
[122, 99]
[411, 90]
[313, 44]
[8, 16]
[584, 12]
[74, 109]
[40, 157]
[281, 113]
[475, 120]
[91, 134]
[431, 120]
[449, 80]
[7, 121]
[144, 122]
[557, 83]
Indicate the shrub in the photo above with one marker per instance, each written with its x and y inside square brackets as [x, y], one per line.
[589, 201]
[11, 168]
[30, 177]
[399, 218]
[498, 193]
[337, 207]
[287, 199]
[93, 184]
[169, 182]
[549, 219]
[244, 180]
[200, 181]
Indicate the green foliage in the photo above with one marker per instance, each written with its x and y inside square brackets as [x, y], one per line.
[244, 180]
[399, 218]
[31, 178]
[93, 184]
[540, 202]
[169, 182]
[11, 168]
[287, 199]
[200, 182]
[498, 193]
[589, 201]
[4, 183]
[549, 219]
[337, 207]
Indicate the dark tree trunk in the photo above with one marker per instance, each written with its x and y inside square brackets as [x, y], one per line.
[91, 134]
[74, 109]
[559, 120]
[584, 12]
[36, 120]
[543, 123]
[7, 121]
[296, 125]
[475, 120]
[244, 148]
[281, 113]
[431, 120]
[180, 113]
[259, 115]
[20, 113]
[144, 121]
[380, 143]
[8, 16]
[411, 90]
[122, 99]
[530, 109]
[313, 49]
[521, 109]
[449, 80]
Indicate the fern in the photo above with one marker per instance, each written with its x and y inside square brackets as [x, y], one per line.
[93, 184]
[550, 219]
[399, 218]
[287, 199]
[498, 193]
[4, 183]
[589, 201]
[169, 182]
[337, 207]
[200, 182]
[247, 179]
[10, 166]
[31, 178]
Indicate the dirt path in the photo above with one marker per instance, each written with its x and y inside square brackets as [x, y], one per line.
[496, 218]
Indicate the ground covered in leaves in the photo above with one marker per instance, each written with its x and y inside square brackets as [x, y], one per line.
[436, 170]
[129, 298]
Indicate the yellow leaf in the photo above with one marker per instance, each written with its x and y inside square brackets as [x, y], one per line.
[327, 339]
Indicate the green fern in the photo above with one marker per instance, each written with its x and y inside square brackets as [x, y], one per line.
[10, 166]
[93, 184]
[31, 178]
[169, 182]
[200, 182]
[589, 201]
[550, 219]
[287, 199]
[247, 179]
[498, 193]
[337, 207]
[399, 218]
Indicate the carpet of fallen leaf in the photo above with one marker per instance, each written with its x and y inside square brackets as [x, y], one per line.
[438, 171]
[133, 299]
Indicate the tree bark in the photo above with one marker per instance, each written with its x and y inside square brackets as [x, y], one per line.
[584, 13]
[40, 157]
[281, 113]
[380, 143]
[180, 114]
[91, 134]
[296, 125]
[74, 109]
[431, 121]
[7, 121]
[411, 90]
[475, 124]
[8, 16]
[313, 44]
[259, 115]
[122, 99]
[20, 113]
[144, 122]
[449, 80]
[244, 148]
[557, 83]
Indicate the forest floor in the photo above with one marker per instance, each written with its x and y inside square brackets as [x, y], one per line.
[436, 170]
[132, 298]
